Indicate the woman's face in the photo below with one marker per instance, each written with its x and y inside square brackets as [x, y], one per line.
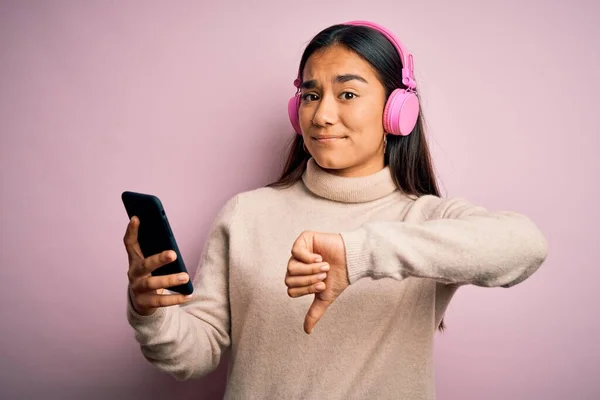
[341, 112]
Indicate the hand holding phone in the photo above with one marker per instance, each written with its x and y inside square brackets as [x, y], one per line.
[147, 291]
[162, 267]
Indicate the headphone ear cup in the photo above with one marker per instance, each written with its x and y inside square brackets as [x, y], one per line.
[401, 112]
[293, 105]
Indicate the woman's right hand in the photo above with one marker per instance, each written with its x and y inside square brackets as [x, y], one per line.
[146, 290]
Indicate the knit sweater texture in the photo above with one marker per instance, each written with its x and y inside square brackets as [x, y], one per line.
[406, 257]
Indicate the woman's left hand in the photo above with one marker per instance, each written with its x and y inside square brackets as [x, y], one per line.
[314, 254]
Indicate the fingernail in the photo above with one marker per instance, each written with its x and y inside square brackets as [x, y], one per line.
[189, 296]
[321, 276]
[318, 259]
[182, 277]
[325, 267]
[320, 286]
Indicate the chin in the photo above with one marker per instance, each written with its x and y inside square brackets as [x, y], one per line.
[330, 161]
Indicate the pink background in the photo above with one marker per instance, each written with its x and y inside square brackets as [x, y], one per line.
[187, 100]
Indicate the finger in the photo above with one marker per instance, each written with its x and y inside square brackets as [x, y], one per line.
[315, 313]
[304, 280]
[130, 239]
[153, 300]
[156, 261]
[303, 291]
[154, 283]
[301, 250]
[298, 268]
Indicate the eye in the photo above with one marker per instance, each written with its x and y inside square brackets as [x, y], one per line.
[348, 95]
[310, 97]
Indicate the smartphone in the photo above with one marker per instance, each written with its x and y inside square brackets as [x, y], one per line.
[155, 234]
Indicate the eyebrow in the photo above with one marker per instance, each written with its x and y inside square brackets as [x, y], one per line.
[338, 79]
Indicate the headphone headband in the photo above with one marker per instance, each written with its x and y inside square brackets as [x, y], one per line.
[408, 74]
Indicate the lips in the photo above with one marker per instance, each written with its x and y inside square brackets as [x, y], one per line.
[328, 138]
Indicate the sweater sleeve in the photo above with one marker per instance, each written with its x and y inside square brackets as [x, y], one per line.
[188, 340]
[458, 244]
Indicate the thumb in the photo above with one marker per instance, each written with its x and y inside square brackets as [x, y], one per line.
[315, 312]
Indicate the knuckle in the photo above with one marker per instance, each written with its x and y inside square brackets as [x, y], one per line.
[293, 269]
[173, 280]
[139, 301]
[143, 302]
[147, 284]
[295, 251]
[163, 300]
[158, 260]
[148, 265]
[127, 239]
[138, 286]
[140, 269]
[134, 284]
[138, 305]
[155, 301]
[177, 300]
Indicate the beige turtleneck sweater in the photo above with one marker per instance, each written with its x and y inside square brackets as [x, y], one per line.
[406, 258]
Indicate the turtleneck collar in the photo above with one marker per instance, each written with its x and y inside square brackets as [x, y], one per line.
[348, 190]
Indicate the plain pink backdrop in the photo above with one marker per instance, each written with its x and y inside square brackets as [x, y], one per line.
[187, 100]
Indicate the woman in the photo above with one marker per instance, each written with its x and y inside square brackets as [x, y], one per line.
[372, 243]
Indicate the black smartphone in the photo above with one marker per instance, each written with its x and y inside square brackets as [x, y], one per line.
[155, 234]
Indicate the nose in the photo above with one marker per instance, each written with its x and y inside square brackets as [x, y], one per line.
[326, 112]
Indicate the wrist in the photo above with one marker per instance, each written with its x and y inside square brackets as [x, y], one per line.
[358, 258]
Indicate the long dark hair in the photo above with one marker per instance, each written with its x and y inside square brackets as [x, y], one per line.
[407, 156]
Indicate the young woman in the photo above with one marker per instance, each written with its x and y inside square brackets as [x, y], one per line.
[371, 241]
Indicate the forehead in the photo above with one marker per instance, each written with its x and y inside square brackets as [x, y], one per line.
[336, 60]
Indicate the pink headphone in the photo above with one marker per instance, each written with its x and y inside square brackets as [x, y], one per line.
[402, 107]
